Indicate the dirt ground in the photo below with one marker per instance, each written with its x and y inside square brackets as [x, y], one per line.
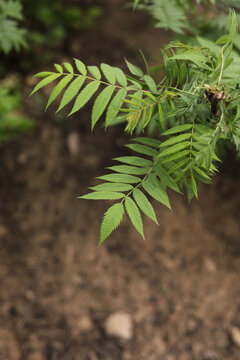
[181, 286]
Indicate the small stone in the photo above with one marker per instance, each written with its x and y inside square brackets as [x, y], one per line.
[23, 158]
[85, 324]
[209, 265]
[235, 335]
[73, 142]
[119, 325]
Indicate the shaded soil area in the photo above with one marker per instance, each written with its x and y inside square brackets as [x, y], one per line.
[181, 286]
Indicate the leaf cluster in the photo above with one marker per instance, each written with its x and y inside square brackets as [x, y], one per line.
[194, 107]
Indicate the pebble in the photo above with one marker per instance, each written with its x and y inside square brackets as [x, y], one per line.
[209, 265]
[235, 335]
[73, 142]
[85, 324]
[120, 325]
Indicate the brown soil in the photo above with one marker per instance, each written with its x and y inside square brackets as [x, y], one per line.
[181, 286]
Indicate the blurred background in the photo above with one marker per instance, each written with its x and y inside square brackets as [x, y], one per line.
[175, 296]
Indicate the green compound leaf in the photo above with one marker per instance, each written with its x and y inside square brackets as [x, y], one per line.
[115, 105]
[112, 187]
[47, 80]
[102, 195]
[122, 178]
[134, 215]
[134, 160]
[111, 220]
[109, 73]
[144, 204]
[81, 67]
[101, 103]
[85, 96]
[156, 192]
[71, 91]
[59, 88]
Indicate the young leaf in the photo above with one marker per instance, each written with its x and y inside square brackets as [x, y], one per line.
[47, 80]
[111, 220]
[134, 215]
[122, 178]
[115, 105]
[196, 56]
[102, 195]
[101, 103]
[134, 160]
[81, 67]
[144, 204]
[134, 69]
[85, 95]
[59, 88]
[108, 73]
[71, 91]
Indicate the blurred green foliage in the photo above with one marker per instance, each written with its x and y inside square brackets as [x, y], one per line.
[46, 24]
[12, 123]
[11, 35]
[51, 22]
